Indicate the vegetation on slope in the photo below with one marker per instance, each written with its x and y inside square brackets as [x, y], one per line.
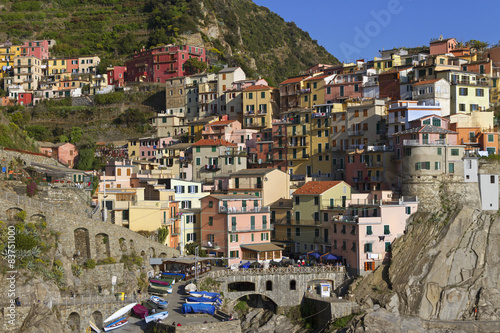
[248, 35]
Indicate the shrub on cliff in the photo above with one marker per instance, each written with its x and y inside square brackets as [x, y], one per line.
[89, 264]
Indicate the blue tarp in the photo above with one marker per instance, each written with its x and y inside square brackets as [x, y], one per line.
[246, 265]
[198, 308]
[208, 294]
[183, 276]
[203, 299]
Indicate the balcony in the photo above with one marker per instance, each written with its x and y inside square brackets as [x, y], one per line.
[267, 227]
[298, 144]
[279, 134]
[176, 231]
[283, 221]
[212, 168]
[210, 245]
[470, 141]
[243, 210]
[255, 125]
[279, 146]
[355, 133]
[303, 157]
[305, 91]
[424, 143]
[374, 164]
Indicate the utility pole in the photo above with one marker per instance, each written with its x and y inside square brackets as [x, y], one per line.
[104, 212]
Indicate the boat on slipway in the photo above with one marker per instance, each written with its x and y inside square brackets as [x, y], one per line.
[118, 319]
[156, 316]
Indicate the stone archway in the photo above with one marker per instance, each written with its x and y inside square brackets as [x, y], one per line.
[132, 248]
[256, 300]
[82, 244]
[123, 245]
[96, 318]
[152, 252]
[38, 218]
[241, 286]
[74, 322]
[13, 213]
[163, 255]
[102, 249]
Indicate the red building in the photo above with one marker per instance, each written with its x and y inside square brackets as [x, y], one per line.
[162, 63]
[117, 76]
[24, 98]
[37, 48]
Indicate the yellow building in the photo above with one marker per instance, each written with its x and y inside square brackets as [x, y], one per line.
[311, 219]
[259, 106]
[27, 72]
[387, 63]
[314, 91]
[195, 128]
[281, 218]
[308, 134]
[7, 55]
[57, 68]
[133, 146]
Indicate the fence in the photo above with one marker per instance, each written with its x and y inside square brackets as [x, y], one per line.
[277, 270]
[30, 299]
[22, 200]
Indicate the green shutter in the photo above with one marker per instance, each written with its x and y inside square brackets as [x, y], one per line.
[386, 230]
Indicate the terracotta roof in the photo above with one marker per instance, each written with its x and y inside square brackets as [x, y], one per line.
[221, 123]
[214, 142]
[259, 87]
[426, 82]
[294, 79]
[316, 187]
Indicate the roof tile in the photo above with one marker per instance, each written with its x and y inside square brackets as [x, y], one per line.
[214, 142]
[316, 187]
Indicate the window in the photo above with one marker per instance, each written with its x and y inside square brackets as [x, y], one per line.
[454, 152]
[480, 92]
[387, 246]
[297, 231]
[369, 230]
[252, 222]
[214, 149]
[186, 204]
[439, 150]
[407, 151]
[387, 231]
[293, 285]
[197, 149]
[461, 107]
[368, 247]
[436, 122]
[269, 285]
[356, 113]
[334, 228]
[297, 216]
[297, 200]
[463, 91]
[451, 167]
[491, 137]
[437, 165]
[210, 204]
[234, 254]
[250, 95]
[210, 220]
[343, 229]
[264, 236]
[316, 201]
[408, 210]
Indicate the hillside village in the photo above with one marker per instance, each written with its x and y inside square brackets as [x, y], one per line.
[325, 164]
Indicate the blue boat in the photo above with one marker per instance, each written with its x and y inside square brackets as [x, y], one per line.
[198, 308]
[204, 300]
[203, 294]
[160, 302]
[156, 316]
[178, 276]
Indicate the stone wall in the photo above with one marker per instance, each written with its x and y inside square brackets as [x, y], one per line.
[218, 327]
[6, 156]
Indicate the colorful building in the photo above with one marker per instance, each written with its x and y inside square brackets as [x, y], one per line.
[259, 105]
[116, 76]
[64, 152]
[237, 226]
[162, 62]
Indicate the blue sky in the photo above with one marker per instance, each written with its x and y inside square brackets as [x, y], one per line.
[353, 30]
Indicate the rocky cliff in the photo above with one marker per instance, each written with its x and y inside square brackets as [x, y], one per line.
[444, 271]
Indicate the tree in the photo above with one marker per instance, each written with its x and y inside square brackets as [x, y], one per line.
[476, 44]
[191, 250]
[193, 66]
[85, 159]
[76, 134]
[162, 235]
[63, 138]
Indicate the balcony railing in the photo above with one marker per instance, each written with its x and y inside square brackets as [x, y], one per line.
[424, 143]
[210, 244]
[243, 210]
[267, 227]
[213, 167]
[355, 132]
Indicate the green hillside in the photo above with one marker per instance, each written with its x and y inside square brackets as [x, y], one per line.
[238, 31]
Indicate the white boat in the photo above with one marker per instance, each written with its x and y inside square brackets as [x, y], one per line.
[94, 327]
[159, 301]
[117, 319]
[116, 324]
[156, 316]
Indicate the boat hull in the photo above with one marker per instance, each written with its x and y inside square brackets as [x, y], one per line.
[156, 316]
[115, 325]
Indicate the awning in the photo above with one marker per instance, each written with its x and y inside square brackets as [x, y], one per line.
[262, 247]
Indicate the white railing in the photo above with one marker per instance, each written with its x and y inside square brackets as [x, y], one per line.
[276, 270]
[424, 143]
[22, 200]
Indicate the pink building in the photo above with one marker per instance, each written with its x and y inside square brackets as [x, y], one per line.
[72, 65]
[442, 46]
[344, 86]
[237, 226]
[364, 233]
[37, 48]
[116, 76]
[147, 148]
[118, 175]
[220, 129]
[25, 98]
[65, 152]
[162, 63]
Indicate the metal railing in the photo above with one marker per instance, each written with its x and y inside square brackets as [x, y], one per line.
[277, 270]
[243, 210]
[22, 200]
[29, 299]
